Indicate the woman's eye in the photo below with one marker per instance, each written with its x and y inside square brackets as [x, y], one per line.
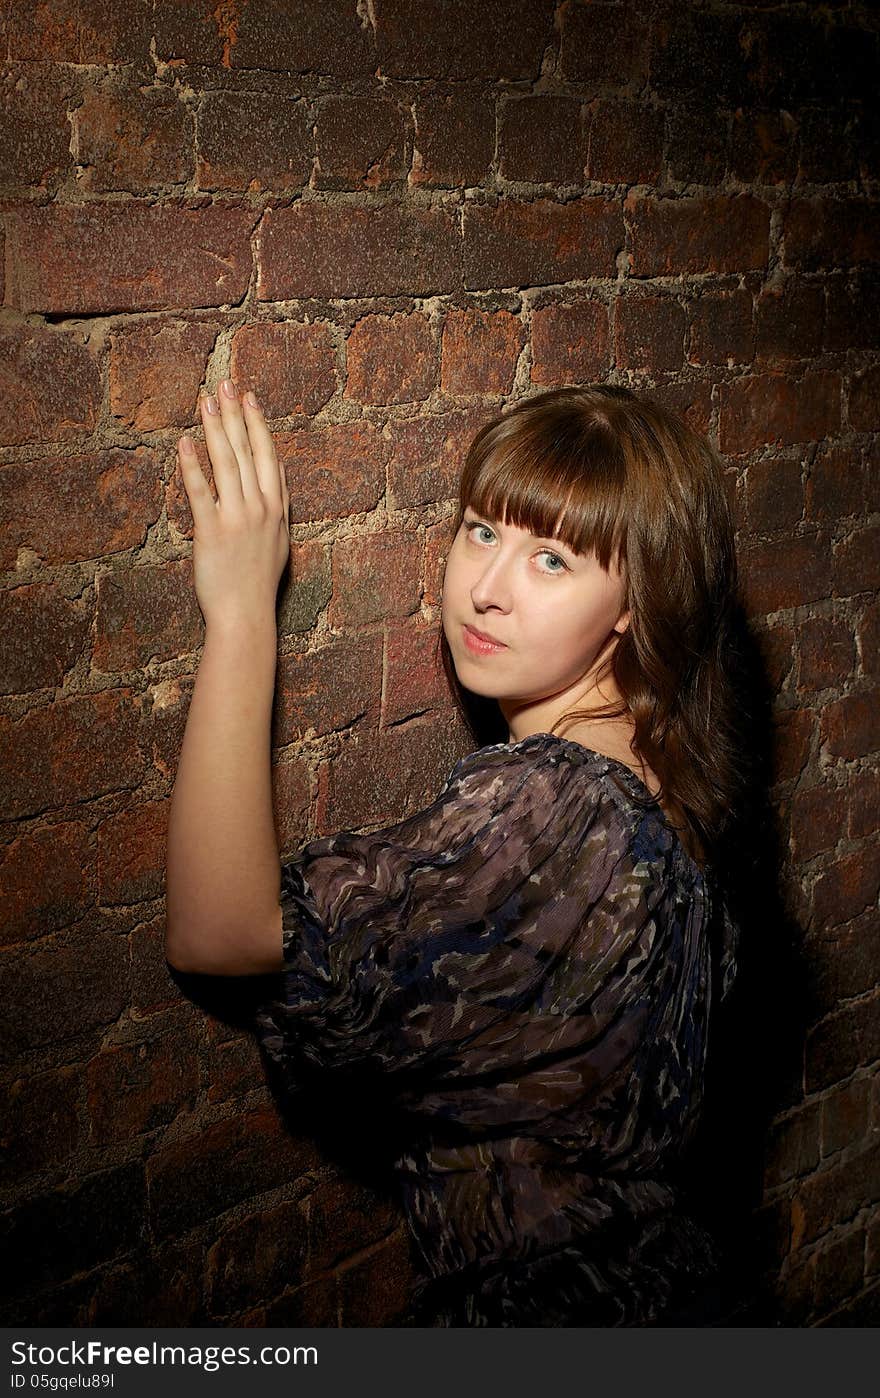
[560, 565]
[556, 559]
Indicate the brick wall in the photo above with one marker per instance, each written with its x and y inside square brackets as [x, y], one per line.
[390, 217]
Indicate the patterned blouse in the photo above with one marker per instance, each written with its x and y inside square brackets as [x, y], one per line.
[522, 974]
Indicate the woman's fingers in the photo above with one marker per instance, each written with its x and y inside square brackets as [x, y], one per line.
[269, 473]
[199, 493]
[230, 456]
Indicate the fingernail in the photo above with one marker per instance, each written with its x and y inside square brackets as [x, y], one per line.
[186, 445]
[210, 403]
[251, 397]
[228, 388]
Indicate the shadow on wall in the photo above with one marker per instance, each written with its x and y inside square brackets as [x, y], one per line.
[755, 1068]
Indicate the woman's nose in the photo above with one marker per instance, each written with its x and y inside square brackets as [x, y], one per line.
[492, 587]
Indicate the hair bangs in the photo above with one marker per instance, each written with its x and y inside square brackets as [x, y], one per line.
[573, 492]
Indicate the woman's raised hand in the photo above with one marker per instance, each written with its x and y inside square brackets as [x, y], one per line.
[241, 540]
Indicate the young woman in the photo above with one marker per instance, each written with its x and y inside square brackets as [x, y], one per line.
[520, 976]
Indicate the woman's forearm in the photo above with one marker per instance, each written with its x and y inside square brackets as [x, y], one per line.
[223, 872]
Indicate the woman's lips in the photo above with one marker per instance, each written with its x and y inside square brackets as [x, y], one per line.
[476, 643]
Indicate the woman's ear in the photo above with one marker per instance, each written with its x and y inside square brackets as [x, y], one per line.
[622, 622]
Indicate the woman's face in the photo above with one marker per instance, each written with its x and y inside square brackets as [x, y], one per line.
[558, 614]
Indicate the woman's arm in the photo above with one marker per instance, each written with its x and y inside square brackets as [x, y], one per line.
[223, 873]
[223, 915]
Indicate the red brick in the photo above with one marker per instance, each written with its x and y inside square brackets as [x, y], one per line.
[160, 1285]
[100, 257]
[762, 147]
[872, 1245]
[818, 819]
[414, 677]
[792, 732]
[131, 854]
[840, 1270]
[258, 1257]
[717, 233]
[197, 1178]
[42, 634]
[438, 541]
[229, 1070]
[785, 573]
[868, 633]
[82, 33]
[73, 1229]
[846, 1116]
[133, 1088]
[343, 1218]
[864, 400]
[34, 129]
[826, 653]
[50, 386]
[479, 351]
[841, 1043]
[721, 329]
[362, 143]
[835, 486]
[252, 142]
[571, 343]
[648, 333]
[391, 359]
[153, 991]
[291, 801]
[333, 471]
[793, 1146]
[851, 726]
[863, 795]
[130, 139]
[696, 143]
[844, 959]
[511, 243]
[776, 649]
[155, 372]
[428, 453]
[70, 751]
[307, 588]
[773, 495]
[834, 1196]
[376, 1289]
[831, 232]
[328, 689]
[598, 42]
[788, 322]
[454, 140]
[852, 311]
[63, 989]
[291, 366]
[329, 28]
[47, 880]
[387, 776]
[499, 41]
[73, 508]
[690, 398]
[697, 50]
[625, 143]
[829, 143]
[770, 409]
[845, 889]
[145, 614]
[375, 576]
[334, 250]
[41, 1125]
[541, 139]
[857, 562]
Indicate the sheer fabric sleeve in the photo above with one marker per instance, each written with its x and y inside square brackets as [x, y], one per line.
[473, 960]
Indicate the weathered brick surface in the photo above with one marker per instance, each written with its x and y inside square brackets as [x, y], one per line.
[649, 333]
[721, 329]
[335, 250]
[479, 350]
[846, 1040]
[41, 1126]
[328, 689]
[66, 509]
[542, 139]
[62, 988]
[376, 348]
[155, 372]
[132, 1089]
[571, 343]
[250, 142]
[97, 258]
[144, 614]
[501, 39]
[624, 142]
[131, 854]
[374, 577]
[414, 678]
[536, 242]
[34, 131]
[454, 139]
[42, 634]
[290, 367]
[257, 1257]
[427, 454]
[47, 880]
[50, 387]
[126, 138]
[774, 410]
[362, 143]
[720, 233]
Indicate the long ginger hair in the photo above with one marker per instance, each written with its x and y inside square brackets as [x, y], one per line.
[622, 476]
